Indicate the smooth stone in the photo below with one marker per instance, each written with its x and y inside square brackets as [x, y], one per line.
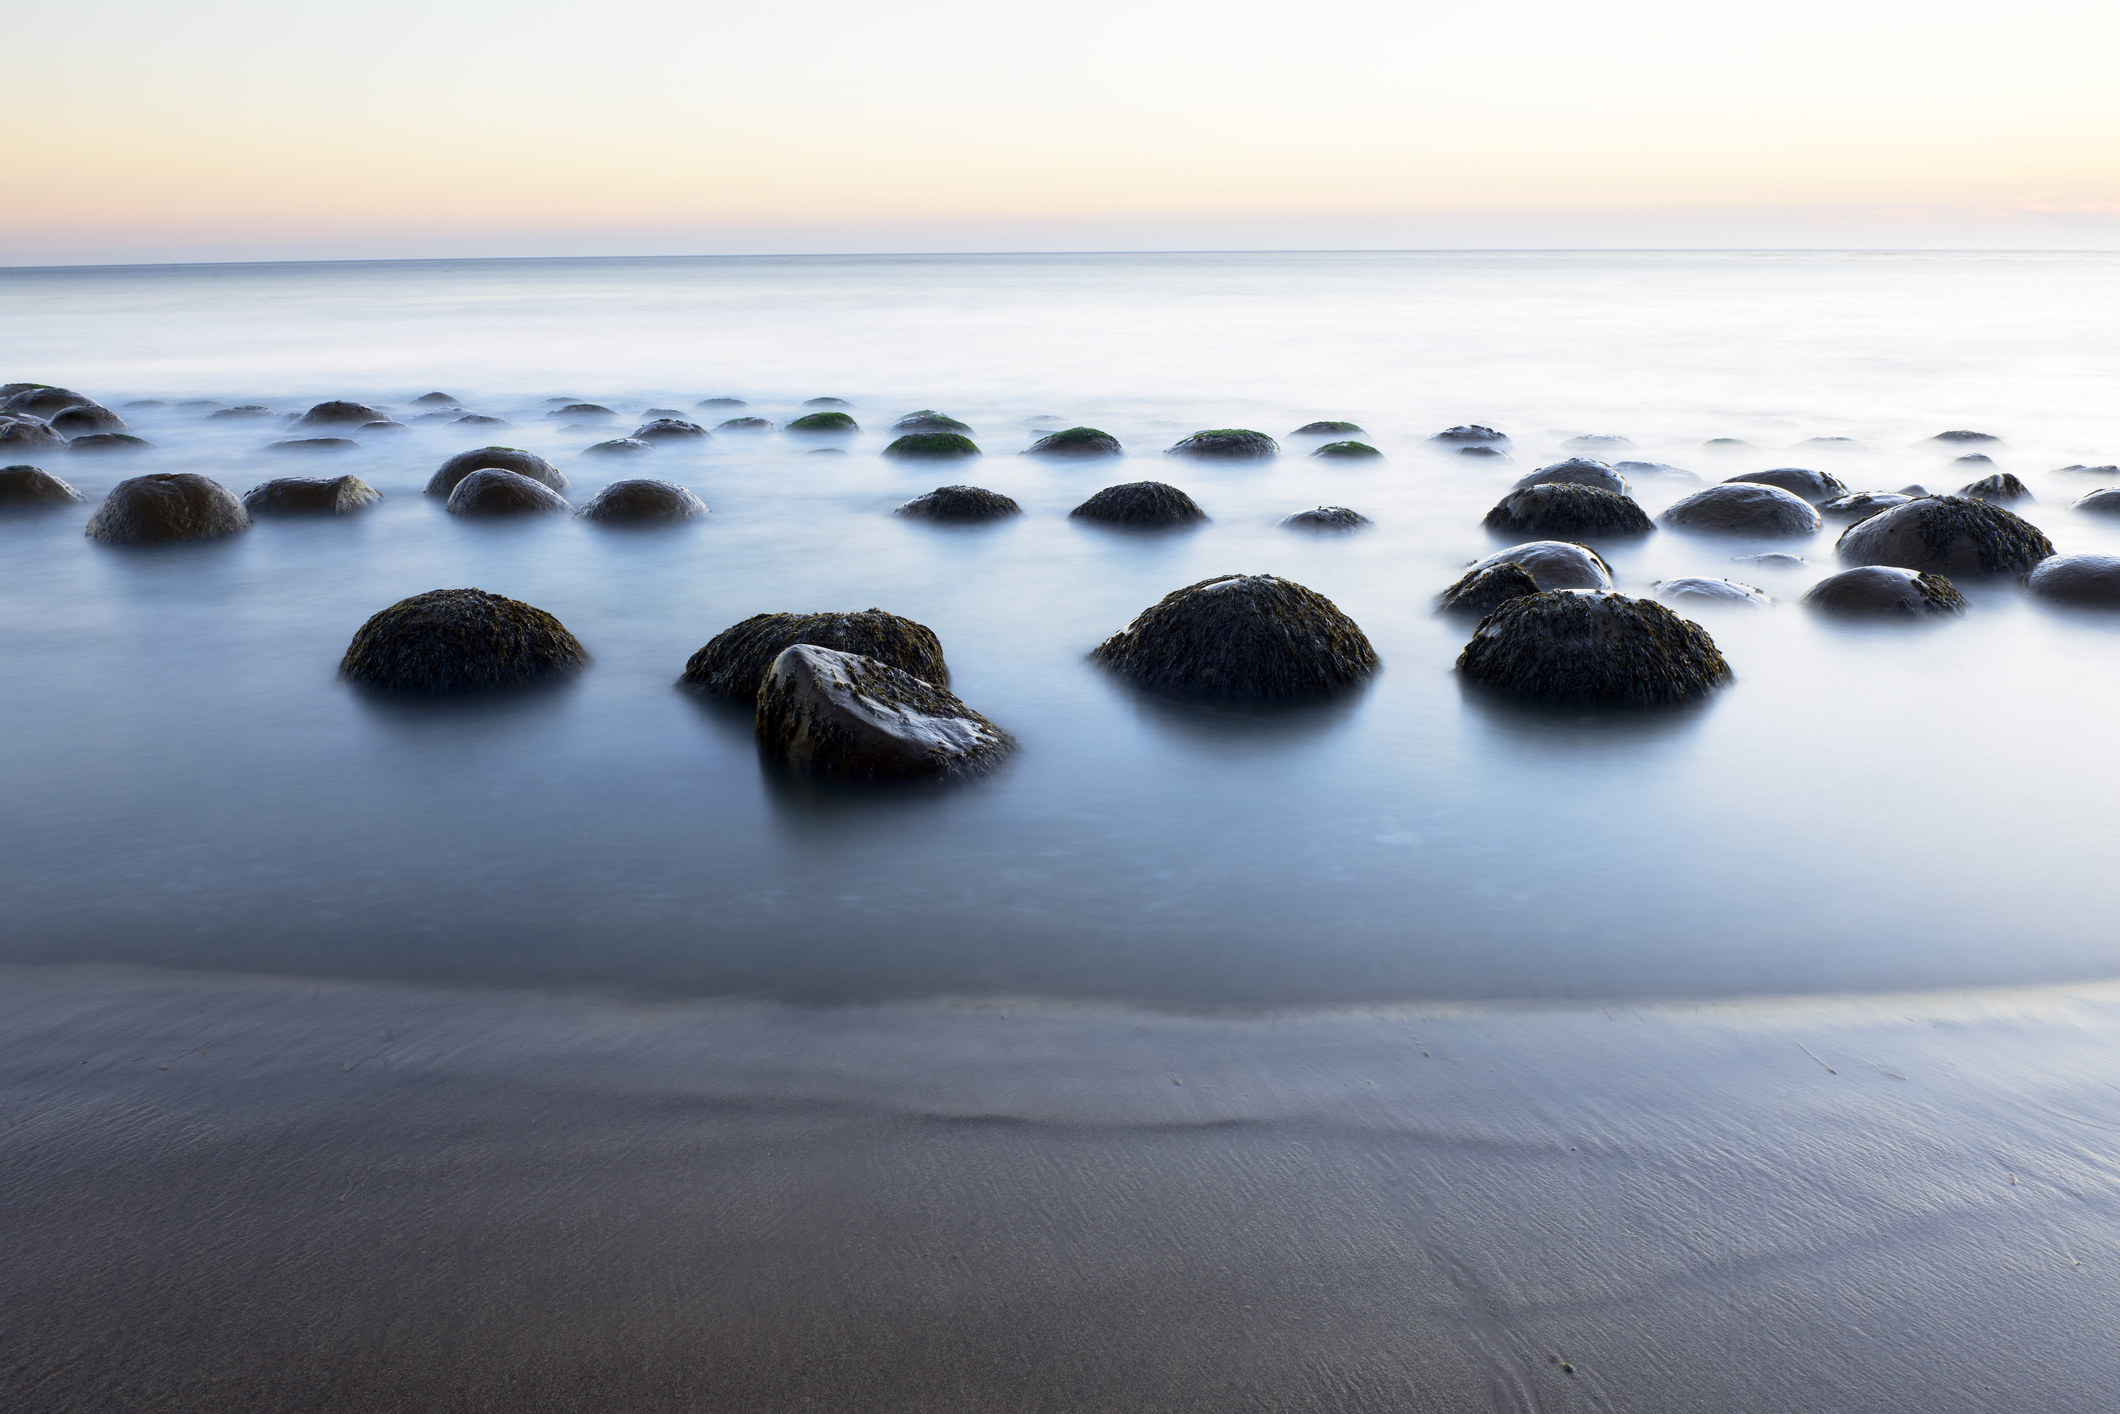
[1832, 444]
[385, 426]
[1976, 460]
[245, 413]
[735, 661]
[704, 403]
[1655, 470]
[1076, 442]
[436, 400]
[1914, 491]
[1482, 591]
[2092, 581]
[305, 495]
[104, 443]
[669, 429]
[2105, 501]
[1700, 589]
[1356, 451]
[932, 446]
[85, 419]
[960, 503]
[452, 415]
[1963, 437]
[1572, 647]
[1140, 503]
[1469, 434]
[2079, 467]
[929, 420]
[1329, 429]
[1743, 508]
[315, 444]
[1552, 564]
[479, 419]
[1725, 444]
[1946, 535]
[582, 410]
[340, 414]
[1772, 559]
[826, 452]
[642, 502]
[167, 507]
[451, 641]
[617, 447]
[22, 486]
[1477, 452]
[41, 400]
[1860, 505]
[1815, 487]
[1999, 489]
[1576, 471]
[1560, 509]
[138, 403]
[27, 434]
[513, 459]
[1885, 589]
[822, 422]
[1325, 518]
[1597, 442]
[1241, 637]
[745, 424]
[653, 413]
[833, 715]
[826, 403]
[493, 492]
[1226, 444]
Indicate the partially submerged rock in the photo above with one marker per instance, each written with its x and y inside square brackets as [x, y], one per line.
[304, 446]
[490, 491]
[1963, 438]
[42, 400]
[616, 447]
[476, 419]
[1885, 589]
[1564, 509]
[1978, 461]
[24, 433]
[745, 424]
[1743, 508]
[2078, 468]
[929, 420]
[1698, 589]
[108, 443]
[85, 418]
[817, 423]
[1483, 589]
[1495, 452]
[1554, 564]
[931, 447]
[383, 427]
[2090, 581]
[960, 503]
[2000, 489]
[704, 403]
[513, 459]
[23, 486]
[1349, 451]
[1815, 487]
[167, 507]
[1226, 444]
[1946, 535]
[1658, 471]
[642, 502]
[1861, 505]
[1241, 636]
[833, 715]
[669, 429]
[734, 661]
[451, 641]
[1576, 471]
[1469, 434]
[1329, 429]
[1576, 648]
[1140, 503]
[339, 414]
[826, 403]
[2105, 501]
[246, 412]
[1076, 442]
[592, 411]
[1325, 518]
[310, 495]
[435, 400]
[1597, 442]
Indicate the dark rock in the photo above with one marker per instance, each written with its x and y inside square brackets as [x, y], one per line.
[1329, 429]
[435, 400]
[137, 403]
[559, 402]
[451, 641]
[304, 495]
[1362, 451]
[582, 410]
[86, 418]
[104, 443]
[1964, 438]
[493, 492]
[198, 403]
[247, 412]
[169, 506]
[1861, 505]
[2091, 581]
[823, 422]
[513, 459]
[9, 390]
[2106, 471]
[1476, 452]
[41, 400]
[340, 414]
[27, 434]
[617, 447]
[1976, 461]
[1584, 649]
[1576, 471]
[1226, 444]
[1663, 471]
[669, 429]
[1701, 590]
[314, 444]
[1326, 518]
[746, 424]
[1883, 589]
[1743, 508]
[1552, 564]
[929, 420]
[833, 715]
[1773, 559]
[826, 452]
[704, 403]
[1725, 444]
[34, 486]
[477, 419]
[1140, 503]
[1815, 487]
[1469, 434]
[826, 403]
[932, 446]
[1564, 509]
[735, 661]
[2105, 501]
[642, 503]
[1946, 535]
[452, 415]
[382, 427]
[652, 413]
[1241, 636]
[2000, 489]
[1597, 442]
[1482, 591]
[1076, 442]
[960, 503]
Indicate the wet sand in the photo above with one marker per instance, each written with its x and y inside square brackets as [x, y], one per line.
[229, 1193]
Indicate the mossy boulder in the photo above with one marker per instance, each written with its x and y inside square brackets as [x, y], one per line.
[1329, 429]
[1483, 589]
[929, 420]
[2000, 489]
[1081, 442]
[490, 491]
[823, 423]
[25, 434]
[309, 446]
[745, 424]
[932, 447]
[642, 502]
[1814, 487]
[310, 496]
[1469, 434]
[2105, 501]
[1946, 535]
[86, 418]
[448, 642]
[43, 401]
[27, 486]
[1576, 471]
[830, 715]
[2088, 581]
[513, 459]
[1347, 451]
[1325, 518]
[1886, 590]
[1576, 648]
[1142, 504]
[1229, 444]
[1552, 564]
[339, 414]
[1563, 508]
[1702, 589]
[167, 507]
[1744, 508]
[669, 429]
[1241, 637]
[1861, 505]
[960, 503]
[617, 447]
[734, 661]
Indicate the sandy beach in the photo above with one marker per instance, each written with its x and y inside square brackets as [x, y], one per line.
[232, 1193]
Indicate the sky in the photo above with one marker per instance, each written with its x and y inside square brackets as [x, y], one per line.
[156, 130]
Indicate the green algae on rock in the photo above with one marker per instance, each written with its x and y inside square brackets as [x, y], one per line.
[1574, 648]
[1347, 451]
[929, 420]
[1076, 442]
[451, 641]
[1329, 429]
[1241, 637]
[819, 422]
[735, 660]
[932, 447]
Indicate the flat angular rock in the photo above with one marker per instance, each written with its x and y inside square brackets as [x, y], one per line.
[1946, 535]
[165, 508]
[1884, 590]
[513, 459]
[734, 661]
[452, 641]
[1575, 648]
[642, 502]
[1744, 508]
[837, 716]
[309, 495]
[1142, 504]
[1240, 637]
[492, 492]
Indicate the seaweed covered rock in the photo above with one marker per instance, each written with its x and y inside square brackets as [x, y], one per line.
[642, 502]
[1861, 505]
[818, 423]
[451, 641]
[1470, 434]
[99, 444]
[929, 420]
[1946, 535]
[1325, 518]
[1241, 636]
[513, 459]
[669, 429]
[1140, 503]
[1815, 487]
[1554, 564]
[43, 401]
[745, 424]
[307, 446]
[1576, 471]
[1483, 589]
[1347, 451]
[2090, 581]
[22, 486]
[1573, 647]
[2105, 501]
[1563, 508]
[339, 414]
[25, 433]
[310, 495]
[1329, 429]
[960, 503]
[734, 661]
[85, 418]
[931, 446]
[167, 507]
[1076, 442]
[1743, 508]
[616, 447]
[1229, 444]
[490, 491]
[1885, 590]
[837, 716]
[2000, 489]
[1700, 589]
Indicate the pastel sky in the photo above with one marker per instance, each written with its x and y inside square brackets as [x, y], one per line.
[239, 129]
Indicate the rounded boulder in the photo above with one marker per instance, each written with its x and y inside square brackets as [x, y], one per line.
[1885, 590]
[1241, 637]
[1576, 471]
[310, 495]
[513, 459]
[1140, 503]
[734, 661]
[340, 414]
[26, 486]
[838, 716]
[167, 507]
[1946, 535]
[1078, 442]
[86, 418]
[822, 423]
[932, 446]
[929, 420]
[451, 641]
[490, 491]
[1228, 444]
[24, 433]
[669, 429]
[2105, 501]
[1576, 648]
[1325, 518]
[1564, 508]
[642, 502]
[960, 503]
[1814, 487]
[1744, 508]
[2089, 581]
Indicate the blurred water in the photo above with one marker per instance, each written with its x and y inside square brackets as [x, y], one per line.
[186, 783]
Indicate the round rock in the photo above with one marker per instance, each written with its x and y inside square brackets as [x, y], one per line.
[310, 495]
[960, 503]
[490, 491]
[24, 433]
[1554, 564]
[2092, 581]
[167, 507]
[304, 446]
[617, 447]
[931, 447]
[106, 443]
[41, 400]
[1483, 590]
[429, 400]
[1700, 590]
[1576, 648]
[669, 429]
[1076, 442]
[1229, 444]
[1861, 505]
[1349, 451]
[2105, 501]
[816, 423]
[1243, 637]
[929, 420]
[1140, 503]
[85, 418]
[248, 412]
[826, 403]
[1470, 434]
[1597, 442]
[1886, 590]
[1946, 535]
[1566, 509]
[1743, 508]
[340, 414]
[1329, 429]
[579, 410]
[641, 502]
[1576, 471]
[734, 661]
[451, 641]
[839, 716]
[1963, 438]
[22, 486]
[1815, 487]
[513, 459]
[745, 424]
[1325, 518]
[2000, 489]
